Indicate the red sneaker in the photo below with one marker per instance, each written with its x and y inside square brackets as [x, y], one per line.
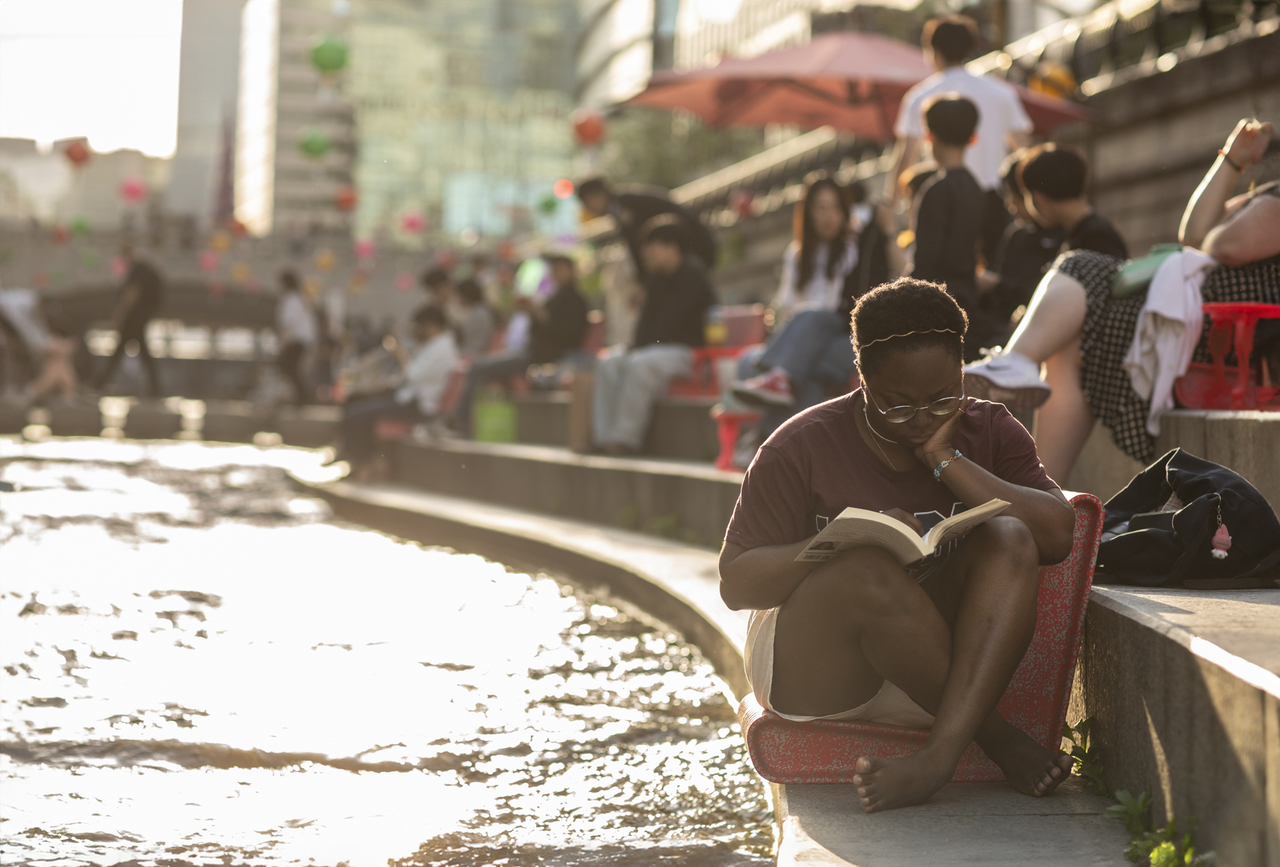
[770, 389]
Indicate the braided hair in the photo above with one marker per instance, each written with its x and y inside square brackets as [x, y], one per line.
[906, 315]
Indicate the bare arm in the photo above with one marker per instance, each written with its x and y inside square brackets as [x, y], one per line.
[906, 153]
[1047, 514]
[1246, 145]
[1248, 235]
[760, 578]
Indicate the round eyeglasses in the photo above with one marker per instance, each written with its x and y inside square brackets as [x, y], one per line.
[904, 414]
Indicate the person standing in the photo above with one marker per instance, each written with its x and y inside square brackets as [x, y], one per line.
[140, 300]
[629, 380]
[1003, 124]
[297, 334]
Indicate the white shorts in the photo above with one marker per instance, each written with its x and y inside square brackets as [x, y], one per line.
[890, 705]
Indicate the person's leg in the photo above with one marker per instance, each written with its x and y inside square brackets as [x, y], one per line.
[148, 360]
[644, 380]
[289, 359]
[1063, 423]
[109, 369]
[1053, 319]
[801, 343]
[838, 639]
[604, 394]
[483, 370]
[358, 420]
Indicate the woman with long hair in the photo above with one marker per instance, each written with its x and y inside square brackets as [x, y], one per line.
[812, 353]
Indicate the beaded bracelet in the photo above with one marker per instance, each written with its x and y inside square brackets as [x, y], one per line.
[937, 471]
[1226, 156]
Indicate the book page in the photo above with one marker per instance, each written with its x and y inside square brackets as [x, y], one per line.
[863, 527]
[959, 525]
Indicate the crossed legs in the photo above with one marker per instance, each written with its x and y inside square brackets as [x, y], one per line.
[952, 647]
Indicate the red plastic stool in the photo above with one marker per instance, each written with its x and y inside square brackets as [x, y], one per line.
[825, 751]
[1205, 386]
[728, 425]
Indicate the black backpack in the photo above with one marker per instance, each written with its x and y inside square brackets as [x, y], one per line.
[1188, 522]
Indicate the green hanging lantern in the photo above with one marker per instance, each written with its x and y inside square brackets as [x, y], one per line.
[329, 55]
[315, 144]
[548, 205]
[80, 226]
[89, 259]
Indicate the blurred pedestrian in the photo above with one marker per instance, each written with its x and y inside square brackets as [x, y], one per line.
[633, 206]
[297, 334]
[140, 298]
[475, 321]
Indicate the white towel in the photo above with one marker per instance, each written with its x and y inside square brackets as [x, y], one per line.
[1168, 330]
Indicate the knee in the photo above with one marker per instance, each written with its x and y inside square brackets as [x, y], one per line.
[856, 581]
[1008, 538]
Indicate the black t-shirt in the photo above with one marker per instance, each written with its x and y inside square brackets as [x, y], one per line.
[817, 464]
[1025, 254]
[1096, 233]
[948, 224]
[146, 279]
[564, 329]
[675, 307]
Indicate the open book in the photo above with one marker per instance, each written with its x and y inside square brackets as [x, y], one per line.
[864, 527]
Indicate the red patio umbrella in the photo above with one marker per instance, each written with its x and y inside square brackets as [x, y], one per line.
[850, 81]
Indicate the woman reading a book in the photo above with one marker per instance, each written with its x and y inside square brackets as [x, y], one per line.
[861, 637]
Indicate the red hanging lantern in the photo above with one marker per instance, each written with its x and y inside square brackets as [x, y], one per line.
[133, 189]
[77, 153]
[346, 199]
[741, 202]
[412, 222]
[588, 127]
[61, 234]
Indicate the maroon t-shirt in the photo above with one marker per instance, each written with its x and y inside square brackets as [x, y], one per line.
[817, 464]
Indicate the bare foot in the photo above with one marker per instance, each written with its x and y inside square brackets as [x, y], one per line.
[1029, 767]
[886, 784]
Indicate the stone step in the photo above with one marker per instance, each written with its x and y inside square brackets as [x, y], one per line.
[682, 428]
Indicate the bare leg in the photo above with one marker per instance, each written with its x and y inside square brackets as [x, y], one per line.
[860, 619]
[1064, 422]
[1053, 319]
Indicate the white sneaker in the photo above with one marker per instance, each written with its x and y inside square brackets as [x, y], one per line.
[1009, 378]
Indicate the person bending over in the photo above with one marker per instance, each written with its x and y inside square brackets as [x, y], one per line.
[677, 295]
[859, 637]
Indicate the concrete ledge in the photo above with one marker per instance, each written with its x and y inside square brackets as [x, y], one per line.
[690, 502]
[1183, 687]
[978, 823]
[682, 428]
[307, 426]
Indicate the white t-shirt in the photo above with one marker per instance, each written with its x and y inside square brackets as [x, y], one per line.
[427, 376]
[1000, 112]
[821, 292]
[295, 320]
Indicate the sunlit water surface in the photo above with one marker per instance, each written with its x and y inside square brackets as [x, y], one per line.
[200, 666]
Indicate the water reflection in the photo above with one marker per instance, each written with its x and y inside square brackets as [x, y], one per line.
[201, 667]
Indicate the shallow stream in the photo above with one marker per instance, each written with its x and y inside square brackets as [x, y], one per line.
[199, 665]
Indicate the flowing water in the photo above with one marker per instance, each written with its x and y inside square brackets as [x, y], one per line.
[201, 666]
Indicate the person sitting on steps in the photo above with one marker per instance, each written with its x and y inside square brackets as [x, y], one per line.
[860, 637]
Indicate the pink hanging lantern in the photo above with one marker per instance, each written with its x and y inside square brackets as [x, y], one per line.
[412, 222]
[404, 281]
[365, 248]
[119, 266]
[208, 261]
[133, 189]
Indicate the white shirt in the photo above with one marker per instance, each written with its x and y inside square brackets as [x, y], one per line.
[821, 292]
[295, 322]
[427, 375]
[1000, 112]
